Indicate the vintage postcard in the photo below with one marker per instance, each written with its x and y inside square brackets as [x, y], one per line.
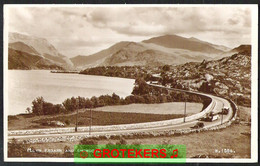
[130, 83]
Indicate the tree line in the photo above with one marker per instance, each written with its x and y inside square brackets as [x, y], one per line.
[116, 71]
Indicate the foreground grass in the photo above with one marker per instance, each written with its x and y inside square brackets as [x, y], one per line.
[197, 143]
[162, 108]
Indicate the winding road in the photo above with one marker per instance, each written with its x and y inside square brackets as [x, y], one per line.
[216, 106]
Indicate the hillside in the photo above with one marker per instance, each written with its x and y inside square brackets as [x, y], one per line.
[20, 46]
[241, 48]
[37, 46]
[169, 49]
[219, 47]
[25, 61]
[235, 50]
[192, 44]
[227, 77]
[141, 55]
[94, 59]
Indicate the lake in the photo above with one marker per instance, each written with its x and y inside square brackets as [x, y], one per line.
[25, 85]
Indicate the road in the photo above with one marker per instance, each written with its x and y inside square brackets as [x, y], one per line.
[216, 107]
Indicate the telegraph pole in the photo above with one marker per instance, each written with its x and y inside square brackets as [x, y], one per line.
[184, 108]
[222, 112]
[77, 107]
[222, 117]
[90, 122]
[76, 128]
[238, 111]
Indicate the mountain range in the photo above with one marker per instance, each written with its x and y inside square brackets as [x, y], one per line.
[167, 49]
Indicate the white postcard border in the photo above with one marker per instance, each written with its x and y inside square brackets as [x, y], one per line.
[254, 78]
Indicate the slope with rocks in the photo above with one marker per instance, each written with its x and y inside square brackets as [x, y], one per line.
[235, 50]
[227, 77]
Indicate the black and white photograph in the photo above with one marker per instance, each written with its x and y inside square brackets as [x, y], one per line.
[130, 75]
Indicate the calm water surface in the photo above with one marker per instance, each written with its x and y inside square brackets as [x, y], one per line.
[25, 86]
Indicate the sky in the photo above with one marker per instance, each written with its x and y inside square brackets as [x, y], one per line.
[86, 30]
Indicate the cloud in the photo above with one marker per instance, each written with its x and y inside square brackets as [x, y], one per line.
[85, 30]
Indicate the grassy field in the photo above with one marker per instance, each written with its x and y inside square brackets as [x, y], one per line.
[98, 118]
[244, 113]
[162, 108]
[110, 115]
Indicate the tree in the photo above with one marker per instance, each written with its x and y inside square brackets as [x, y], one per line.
[88, 103]
[139, 99]
[116, 99]
[68, 105]
[95, 101]
[141, 87]
[48, 108]
[206, 87]
[37, 107]
[28, 110]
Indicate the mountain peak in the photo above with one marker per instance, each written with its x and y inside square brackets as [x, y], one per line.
[192, 44]
[15, 35]
[40, 44]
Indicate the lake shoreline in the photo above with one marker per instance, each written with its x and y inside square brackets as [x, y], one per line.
[25, 85]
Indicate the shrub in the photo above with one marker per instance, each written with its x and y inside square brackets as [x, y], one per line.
[80, 123]
[115, 137]
[122, 141]
[16, 149]
[67, 122]
[102, 137]
[110, 143]
[88, 141]
[136, 142]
